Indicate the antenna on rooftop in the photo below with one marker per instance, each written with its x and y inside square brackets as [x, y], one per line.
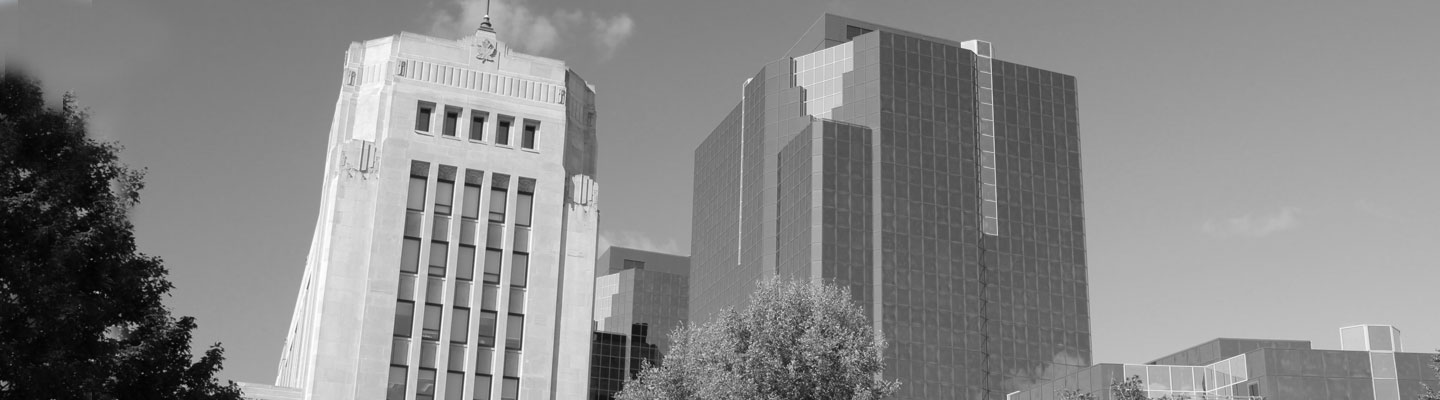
[485, 25]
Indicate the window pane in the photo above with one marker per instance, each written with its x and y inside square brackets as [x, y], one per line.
[431, 328]
[1387, 389]
[485, 361]
[459, 325]
[462, 293]
[523, 204]
[435, 290]
[427, 353]
[1352, 338]
[444, 196]
[492, 266]
[440, 230]
[512, 364]
[502, 132]
[467, 231]
[521, 265]
[482, 387]
[527, 139]
[1239, 369]
[514, 332]
[490, 298]
[510, 389]
[522, 239]
[437, 258]
[400, 351]
[404, 317]
[422, 116]
[465, 266]
[497, 205]
[517, 301]
[477, 125]
[395, 390]
[415, 200]
[455, 386]
[414, 220]
[495, 236]
[452, 120]
[426, 385]
[470, 208]
[406, 291]
[487, 329]
[456, 360]
[1382, 365]
[1380, 338]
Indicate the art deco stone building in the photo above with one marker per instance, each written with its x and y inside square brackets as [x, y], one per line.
[940, 184]
[454, 253]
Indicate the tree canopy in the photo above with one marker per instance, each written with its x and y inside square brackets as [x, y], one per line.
[81, 313]
[793, 341]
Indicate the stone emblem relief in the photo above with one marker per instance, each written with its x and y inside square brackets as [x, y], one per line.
[486, 50]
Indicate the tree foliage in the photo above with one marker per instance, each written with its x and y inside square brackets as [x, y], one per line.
[793, 341]
[80, 308]
[1430, 392]
[1073, 394]
[1132, 388]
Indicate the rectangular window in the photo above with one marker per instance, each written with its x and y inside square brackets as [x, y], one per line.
[487, 328]
[512, 364]
[489, 297]
[395, 390]
[452, 121]
[406, 291]
[477, 125]
[524, 202]
[423, 113]
[410, 256]
[497, 205]
[482, 387]
[492, 266]
[495, 236]
[438, 252]
[427, 353]
[462, 293]
[634, 264]
[459, 325]
[527, 137]
[425, 387]
[520, 265]
[455, 385]
[471, 206]
[415, 198]
[485, 362]
[431, 329]
[517, 300]
[465, 269]
[404, 317]
[435, 290]
[399, 351]
[510, 389]
[502, 132]
[444, 197]
[522, 239]
[514, 332]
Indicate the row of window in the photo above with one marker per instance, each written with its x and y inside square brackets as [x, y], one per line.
[451, 126]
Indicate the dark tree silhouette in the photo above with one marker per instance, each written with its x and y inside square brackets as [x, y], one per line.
[80, 308]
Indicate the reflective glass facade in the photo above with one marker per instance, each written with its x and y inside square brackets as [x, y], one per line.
[941, 187]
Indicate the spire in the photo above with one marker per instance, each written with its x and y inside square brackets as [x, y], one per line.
[485, 25]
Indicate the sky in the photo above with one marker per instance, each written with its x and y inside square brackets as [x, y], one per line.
[1252, 169]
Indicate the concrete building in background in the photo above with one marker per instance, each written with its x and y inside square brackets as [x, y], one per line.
[939, 183]
[641, 287]
[1371, 364]
[454, 253]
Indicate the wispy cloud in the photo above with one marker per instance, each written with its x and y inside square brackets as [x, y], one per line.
[534, 31]
[636, 240]
[1254, 226]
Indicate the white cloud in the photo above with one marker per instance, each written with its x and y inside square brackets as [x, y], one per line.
[1254, 226]
[533, 31]
[636, 240]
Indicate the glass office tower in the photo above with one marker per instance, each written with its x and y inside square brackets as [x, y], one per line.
[939, 184]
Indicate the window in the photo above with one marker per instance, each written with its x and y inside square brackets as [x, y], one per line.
[487, 328]
[455, 385]
[510, 389]
[485, 363]
[471, 206]
[512, 364]
[438, 250]
[423, 113]
[406, 291]
[399, 351]
[502, 132]
[520, 263]
[404, 317]
[431, 329]
[452, 121]
[497, 205]
[514, 331]
[482, 387]
[415, 199]
[444, 197]
[459, 325]
[517, 300]
[524, 203]
[634, 264]
[477, 125]
[527, 137]
[492, 266]
[465, 270]
[425, 388]
[410, 256]
[395, 390]
[457, 358]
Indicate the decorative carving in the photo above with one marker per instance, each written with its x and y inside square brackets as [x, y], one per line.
[486, 50]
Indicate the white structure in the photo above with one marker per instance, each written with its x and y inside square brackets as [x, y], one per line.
[454, 254]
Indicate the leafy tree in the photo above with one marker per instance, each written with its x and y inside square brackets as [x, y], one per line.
[794, 341]
[1132, 388]
[80, 308]
[1431, 393]
[1073, 394]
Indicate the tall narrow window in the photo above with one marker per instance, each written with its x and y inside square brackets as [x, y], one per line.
[514, 332]
[482, 387]
[452, 121]
[524, 203]
[444, 196]
[455, 385]
[395, 389]
[438, 252]
[425, 387]
[404, 317]
[423, 113]
[492, 265]
[431, 329]
[527, 137]
[502, 132]
[465, 269]
[497, 205]
[415, 198]
[471, 206]
[520, 265]
[487, 328]
[477, 125]
[510, 389]
[459, 325]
